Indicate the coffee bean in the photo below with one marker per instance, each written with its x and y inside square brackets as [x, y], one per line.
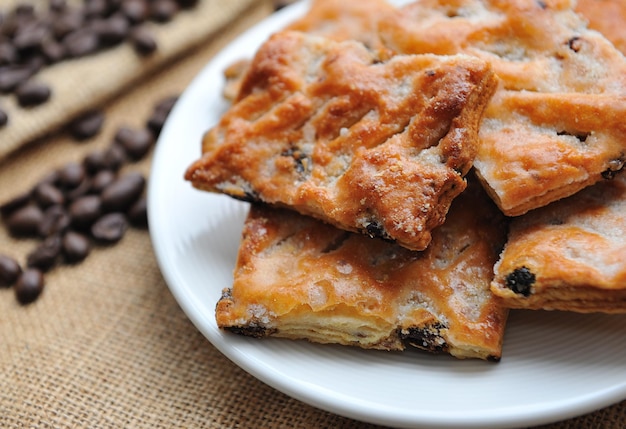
[12, 77]
[87, 125]
[52, 51]
[55, 220]
[46, 195]
[71, 175]
[32, 93]
[30, 37]
[138, 213]
[81, 42]
[76, 247]
[46, 254]
[4, 118]
[160, 113]
[143, 41]
[25, 221]
[8, 54]
[114, 157]
[187, 4]
[57, 5]
[85, 211]
[113, 30]
[94, 162]
[101, 180]
[52, 178]
[109, 228]
[163, 10]
[29, 285]
[95, 8]
[123, 192]
[10, 270]
[14, 203]
[67, 22]
[135, 10]
[136, 143]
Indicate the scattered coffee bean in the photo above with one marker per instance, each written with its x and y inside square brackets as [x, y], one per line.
[114, 157]
[32, 93]
[10, 270]
[68, 22]
[138, 213]
[12, 77]
[14, 203]
[53, 51]
[101, 180]
[57, 5]
[4, 118]
[135, 10]
[47, 195]
[136, 142]
[163, 10]
[81, 42]
[123, 192]
[87, 125]
[110, 228]
[29, 285]
[45, 255]
[95, 161]
[71, 175]
[143, 41]
[76, 247]
[55, 220]
[25, 221]
[159, 115]
[85, 211]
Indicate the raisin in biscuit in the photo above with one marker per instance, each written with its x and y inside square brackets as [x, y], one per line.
[299, 278]
[548, 62]
[327, 129]
[569, 255]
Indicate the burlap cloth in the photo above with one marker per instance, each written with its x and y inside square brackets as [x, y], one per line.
[107, 346]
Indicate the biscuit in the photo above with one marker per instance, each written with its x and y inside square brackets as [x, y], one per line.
[548, 61]
[328, 129]
[568, 255]
[299, 278]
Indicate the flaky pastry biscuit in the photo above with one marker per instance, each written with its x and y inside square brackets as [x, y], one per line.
[568, 255]
[329, 130]
[299, 278]
[548, 61]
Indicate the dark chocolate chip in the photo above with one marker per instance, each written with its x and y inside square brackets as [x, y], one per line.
[76, 247]
[110, 228]
[29, 285]
[520, 281]
[10, 270]
[426, 338]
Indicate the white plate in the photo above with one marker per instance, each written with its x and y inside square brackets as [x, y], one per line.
[554, 366]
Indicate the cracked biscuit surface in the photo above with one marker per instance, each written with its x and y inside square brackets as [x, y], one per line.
[330, 130]
[553, 127]
[299, 278]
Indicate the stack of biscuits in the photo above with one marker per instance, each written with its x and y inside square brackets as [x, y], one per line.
[415, 172]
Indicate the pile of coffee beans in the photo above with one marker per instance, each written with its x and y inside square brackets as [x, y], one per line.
[80, 205]
[35, 37]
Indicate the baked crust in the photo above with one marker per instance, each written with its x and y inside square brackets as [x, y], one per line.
[329, 130]
[548, 61]
[607, 17]
[299, 278]
[569, 255]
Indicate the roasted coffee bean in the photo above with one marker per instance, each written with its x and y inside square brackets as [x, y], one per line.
[29, 285]
[94, 162]
[10, 270]
[135, 10]
[71, 175]
[101, 180]
[163, 10]
[87, 125]
[67, 22]
[52, 178]
[8, 54]
[136, 142]
[187, 4]
[81, 42]
[14, 203]
[123, 192]
[30, 37]
[113, 30]
[110, 228]
[57, 5]
[138, 213]
[143, 41]
[12, 77]
[46, 195]
[160, 113]
[4, 118]
[55, 220]
[95, 8]
[76, 247]
[52, 51]
[82, 189]
[85, 211]
[46, 254]
[32, 93]
[25, 221]
[114, 157]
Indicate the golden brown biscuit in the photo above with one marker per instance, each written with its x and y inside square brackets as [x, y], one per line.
[607, 17]
[299, 278]
[569, 255]
[548, 62]
[327, 129]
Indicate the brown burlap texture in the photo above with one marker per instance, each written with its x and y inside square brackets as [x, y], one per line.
[106, 345]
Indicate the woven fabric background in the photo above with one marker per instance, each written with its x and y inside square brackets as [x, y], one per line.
[106, 345]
